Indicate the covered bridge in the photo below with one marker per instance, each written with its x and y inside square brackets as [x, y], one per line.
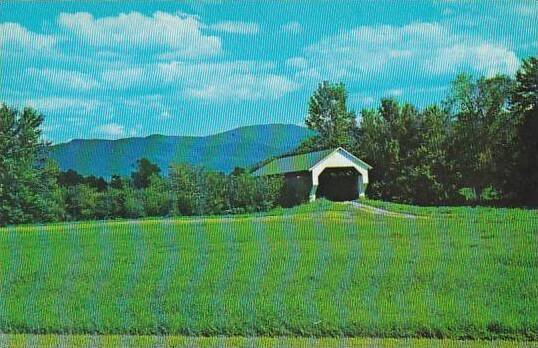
[335, 174]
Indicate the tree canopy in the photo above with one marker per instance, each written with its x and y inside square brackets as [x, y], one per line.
[144, 171]
[329, 117]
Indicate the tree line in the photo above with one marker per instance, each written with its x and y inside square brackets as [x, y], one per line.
[478, 146]
[33, 189]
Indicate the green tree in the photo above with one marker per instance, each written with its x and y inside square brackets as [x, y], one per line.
[144, 170]
[52, 196]
[430, 178]
[157, 198]
[329, 117]
[133, 203]
[213, 192]
[524, 99]
[245, 193]
[21, 155]
[81, 202]
[483, 132]
[185, 189]
[407, 149]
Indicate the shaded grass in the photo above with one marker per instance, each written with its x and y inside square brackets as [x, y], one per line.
[319, 270]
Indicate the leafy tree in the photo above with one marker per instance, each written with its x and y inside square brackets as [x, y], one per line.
[73, 178]
[96, 182]
[213, 192]
[185, 189]
[157, 198]
[430, 178]
[115, 199]
[21, 155]
[144, 170]
[483, 132]
[406, 148]
[329, 117]
[70, 178]
[81, 202]
[133, 203]
[52, 196]
[117, 182]
[524, 99]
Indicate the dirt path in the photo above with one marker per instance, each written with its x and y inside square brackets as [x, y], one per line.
[379, 211]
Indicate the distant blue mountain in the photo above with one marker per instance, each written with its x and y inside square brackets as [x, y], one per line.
[241, 147]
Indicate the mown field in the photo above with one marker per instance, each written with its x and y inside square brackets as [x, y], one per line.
[319, 270]
[79, 341]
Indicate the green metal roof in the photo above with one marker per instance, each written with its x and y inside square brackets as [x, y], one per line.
[290, 164]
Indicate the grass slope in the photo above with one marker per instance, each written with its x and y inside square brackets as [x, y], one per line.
[318, 270]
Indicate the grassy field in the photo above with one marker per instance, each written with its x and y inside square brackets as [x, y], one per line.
[319, 270]
[75, 341]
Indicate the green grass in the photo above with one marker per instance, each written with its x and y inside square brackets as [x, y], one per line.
[318, 270]
[75, 341]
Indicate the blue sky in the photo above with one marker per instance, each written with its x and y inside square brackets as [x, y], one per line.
[112, 70]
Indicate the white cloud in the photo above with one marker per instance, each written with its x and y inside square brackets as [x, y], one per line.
[381, 51]
[529, 8]
[297, 62]
[15, 36]
[395, 92]
[66, 79]
[486, 58]
[176, 32]
[236, 27]
[243, 87]
[136, 130]
[363, 99]
[111, 130]
[165, 115]
[64, 105]
[193, 72]
[244, 80]
[125, 77]
[238, 80]
[292, 28]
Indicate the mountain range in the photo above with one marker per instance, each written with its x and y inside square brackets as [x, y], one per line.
[241, 147]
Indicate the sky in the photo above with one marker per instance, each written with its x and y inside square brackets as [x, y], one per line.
[119, 69]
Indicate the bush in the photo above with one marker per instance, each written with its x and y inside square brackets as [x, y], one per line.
[468, 194]
[489, 194]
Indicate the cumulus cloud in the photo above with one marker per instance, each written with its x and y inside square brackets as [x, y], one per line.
[527, 9]
[125, 77]
[236, 27]
[177, 71]
[297, 62]
[427, 48]
[111, 130]
[64, 105]
[15, 36]
[485, 58]
[394, 92]
[292, 28]
[65, 79]
[239, 80]
[243, 87]
[219, 81]
[165, 115]
[176, 32]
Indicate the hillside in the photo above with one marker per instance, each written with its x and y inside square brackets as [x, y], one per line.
[240, 147]
[316, 270]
